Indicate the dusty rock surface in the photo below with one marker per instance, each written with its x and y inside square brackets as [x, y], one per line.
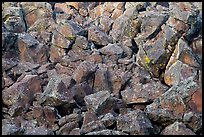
[101, 68]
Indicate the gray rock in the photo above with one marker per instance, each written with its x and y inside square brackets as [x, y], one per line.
[106, 132]
[98, 36]
[177, 128]
[39, 131]
[172, 104]
[134, 123]
[92, 126]
[83, 71]
[100, 102]
[56, 93]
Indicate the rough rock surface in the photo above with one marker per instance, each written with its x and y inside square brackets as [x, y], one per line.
[101, 68]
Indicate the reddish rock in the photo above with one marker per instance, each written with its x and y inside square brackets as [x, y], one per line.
[62, 7]
[67, 128]
[31, 51]
[89, 116]
[105, 23]
[177, 24]
[177, 128]
[75, 131]
[81, 42]
[56, 53]
[193, 121]
[92, 126]
[106, 132]
[98, 36]
[195, 103]
[79, 91]
[23, 91]
[134, 123]
[181, 64]
[95, 57]
[56, 93]
[69, 118]
[83, 71]
[51, 114]
[116, 13]
[60, 41]
[108, 120]
[100, 102]
[172, 104]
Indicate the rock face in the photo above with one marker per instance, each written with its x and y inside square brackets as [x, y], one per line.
[134, 123]
[101, 68]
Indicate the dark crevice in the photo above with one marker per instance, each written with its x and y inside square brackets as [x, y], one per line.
[134, 46]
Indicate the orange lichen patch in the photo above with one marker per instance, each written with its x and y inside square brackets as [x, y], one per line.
[65, 30]
[174, 104]
[74, 4]
[116, 13]
[179, 25]
[62, 7]
[187, 58]
[183, 6]
[31, 18]
[196, 102]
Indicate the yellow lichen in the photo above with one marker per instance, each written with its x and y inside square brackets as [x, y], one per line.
[147, 61]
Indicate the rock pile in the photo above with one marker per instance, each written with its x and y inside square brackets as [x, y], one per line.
[101, 68]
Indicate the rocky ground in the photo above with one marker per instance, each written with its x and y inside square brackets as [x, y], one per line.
[101, 68]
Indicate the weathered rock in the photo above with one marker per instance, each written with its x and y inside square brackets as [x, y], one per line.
[112, 50]
[106, 132]
[95, 57]
[22, 92]
[9, 128]
[43, 25]
[56, 53]
[70, 29]
[9, 41]
[60, 41]
[108, 120]
[35, 11]
[105, 23]
[125, 25]
[31, 50]
[81, 42]
[75, 131]
[134, 123]
[69, 118]
[100, 102]
[39, 131]
[67, 128]
[142, 88]
[79, 91]
[56, 93]
[193, 121]
[51, 115]
[177, 128]
[98, 36]
[172, 104]
[197, 49]
[83, 71]
[101, 81]
[118, 79]
[89, 116]
[92, 126]
[13, 19]
[181, 64]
